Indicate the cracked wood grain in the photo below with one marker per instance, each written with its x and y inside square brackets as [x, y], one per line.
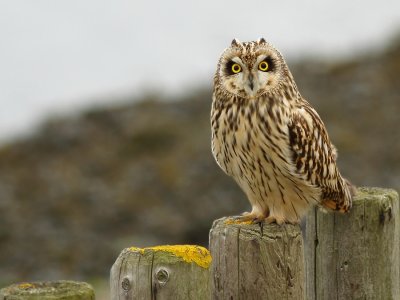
[250, 262]
[356, 255]
[154, 274]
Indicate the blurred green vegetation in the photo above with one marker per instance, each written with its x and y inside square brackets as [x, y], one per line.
[81, 189]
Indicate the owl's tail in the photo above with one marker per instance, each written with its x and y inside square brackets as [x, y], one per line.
[344, 203]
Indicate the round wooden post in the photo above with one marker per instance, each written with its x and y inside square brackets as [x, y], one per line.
[356, 255]
[51, 290]
[253, 262]
[162, 272]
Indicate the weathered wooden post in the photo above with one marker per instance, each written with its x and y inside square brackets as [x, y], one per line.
[356, 255]
[162, 272]
[50, 290]
[253, 262]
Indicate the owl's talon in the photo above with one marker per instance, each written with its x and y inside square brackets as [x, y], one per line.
[248, 218]
[241, 218]
[272, 219]
[258, 220]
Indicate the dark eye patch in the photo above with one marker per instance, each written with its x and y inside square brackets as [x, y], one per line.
[228, 68]
[271, 63]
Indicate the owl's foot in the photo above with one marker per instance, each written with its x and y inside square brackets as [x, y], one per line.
[253, 217]
[279, 221]
[248, 218]
[272, 219]
[258, 220]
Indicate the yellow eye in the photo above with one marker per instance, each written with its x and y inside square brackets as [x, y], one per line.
[263, 66]
[236, 68]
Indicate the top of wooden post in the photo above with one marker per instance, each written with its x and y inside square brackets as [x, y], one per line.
[370, 193]
[162, 272]
[49, 290]
[355, 255]
[187, 253]
[253, 261]
[266, 230]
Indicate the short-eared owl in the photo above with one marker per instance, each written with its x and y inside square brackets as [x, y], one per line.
[270, 139]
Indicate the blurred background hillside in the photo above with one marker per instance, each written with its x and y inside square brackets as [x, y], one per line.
[104, 131]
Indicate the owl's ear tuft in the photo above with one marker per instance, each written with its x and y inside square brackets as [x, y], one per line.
[235, 42]
[262, 41]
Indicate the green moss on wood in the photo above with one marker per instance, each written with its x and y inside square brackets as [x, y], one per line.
[370, 193]
[49, 290]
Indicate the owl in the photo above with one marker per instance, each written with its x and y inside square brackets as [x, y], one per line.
[270, 140]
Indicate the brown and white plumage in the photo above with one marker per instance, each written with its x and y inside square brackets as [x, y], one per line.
[270, 139]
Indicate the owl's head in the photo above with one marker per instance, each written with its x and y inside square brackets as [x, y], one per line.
[251, 69]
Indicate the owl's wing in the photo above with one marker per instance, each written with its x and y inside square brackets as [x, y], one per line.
[314, 158]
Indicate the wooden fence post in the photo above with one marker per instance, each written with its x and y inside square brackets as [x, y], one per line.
[250, 262]
[163, 272]
[356, 255]
[50, 290]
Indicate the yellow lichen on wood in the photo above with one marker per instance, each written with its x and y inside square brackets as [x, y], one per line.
[231, 221]
[26, 285]
[188, 253]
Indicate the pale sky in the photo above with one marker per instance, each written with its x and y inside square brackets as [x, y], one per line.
[61, 56]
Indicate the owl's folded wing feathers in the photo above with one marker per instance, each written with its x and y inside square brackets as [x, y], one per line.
[314, 158]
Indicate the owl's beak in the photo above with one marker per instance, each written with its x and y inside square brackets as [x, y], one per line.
[252, 89]
[251, 82]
